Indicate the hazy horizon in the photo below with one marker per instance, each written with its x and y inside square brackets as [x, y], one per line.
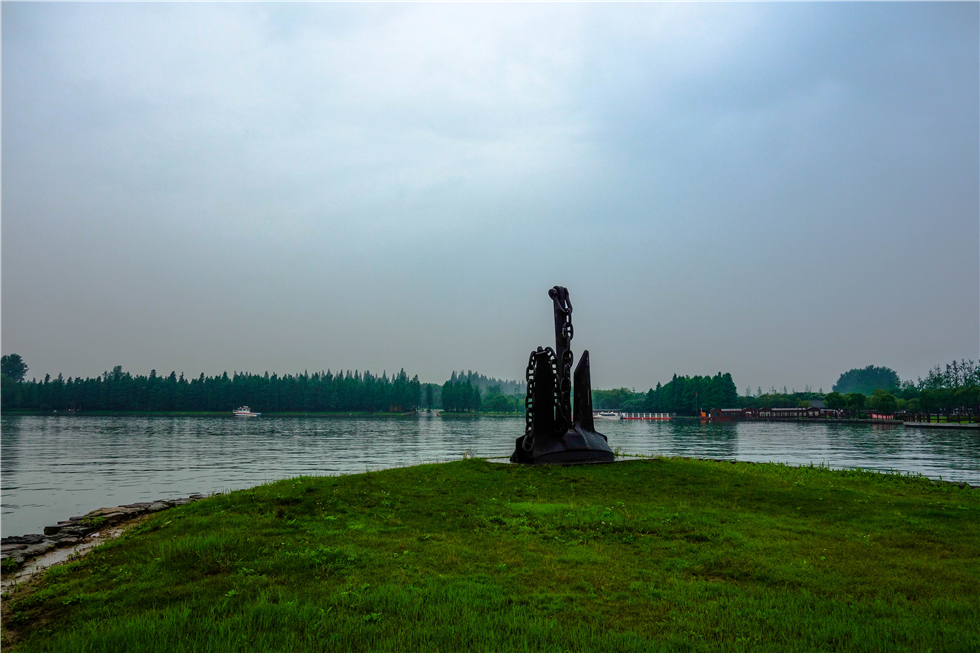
[779, 191]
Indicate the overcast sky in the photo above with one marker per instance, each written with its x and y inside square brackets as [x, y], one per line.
[779, 191]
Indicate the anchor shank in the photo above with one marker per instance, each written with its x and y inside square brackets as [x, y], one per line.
[563, 315]
[583, 394]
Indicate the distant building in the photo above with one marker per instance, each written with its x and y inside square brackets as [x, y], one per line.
[730, 414]
[789, 413]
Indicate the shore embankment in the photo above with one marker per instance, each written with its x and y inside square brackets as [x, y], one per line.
[15, 550]
[943, 425]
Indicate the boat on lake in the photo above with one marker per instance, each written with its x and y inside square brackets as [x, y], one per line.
[607, 415]
[245, 412]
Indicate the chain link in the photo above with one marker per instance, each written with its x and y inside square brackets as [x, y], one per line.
[563, 385]
[529, 399]
[562, 398]
[529, 405]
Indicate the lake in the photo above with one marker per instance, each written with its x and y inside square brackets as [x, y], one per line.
[56, 467]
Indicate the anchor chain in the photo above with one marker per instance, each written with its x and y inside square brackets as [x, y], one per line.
[563, 393]
[562, 401]
[529, 404]
[563, 337]
[528, 443]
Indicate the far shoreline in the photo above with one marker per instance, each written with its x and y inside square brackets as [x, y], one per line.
[188, 413]
[433, 413]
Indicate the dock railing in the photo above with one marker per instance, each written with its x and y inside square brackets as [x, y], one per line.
[652, 416]
[941, 419]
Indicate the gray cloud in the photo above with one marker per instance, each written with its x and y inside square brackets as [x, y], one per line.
[779, 191]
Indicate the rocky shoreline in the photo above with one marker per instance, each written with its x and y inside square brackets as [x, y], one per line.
[18, 549]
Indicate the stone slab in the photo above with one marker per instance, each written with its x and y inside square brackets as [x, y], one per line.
[74, 531]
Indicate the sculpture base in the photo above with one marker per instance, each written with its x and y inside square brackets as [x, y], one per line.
[576, 446]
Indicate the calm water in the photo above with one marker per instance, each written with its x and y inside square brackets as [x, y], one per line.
[56, 467]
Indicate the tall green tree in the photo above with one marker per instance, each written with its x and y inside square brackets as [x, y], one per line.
[855, 401]
[867, 380]
[611, 398]
[883, 401]
[834, 400]
[449, 395]
[14, 367]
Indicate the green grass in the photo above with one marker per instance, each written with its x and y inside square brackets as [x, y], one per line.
[645, 555]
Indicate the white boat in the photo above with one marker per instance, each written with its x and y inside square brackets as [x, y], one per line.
[245, 412]
[607, 415]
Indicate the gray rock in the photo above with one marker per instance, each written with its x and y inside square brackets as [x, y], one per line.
[71, 528]
[109, 513]
[35, 549]
[33, 538]
[65, 533]
[110, 518]
[76, 530]
[62, 540]
[7, 548]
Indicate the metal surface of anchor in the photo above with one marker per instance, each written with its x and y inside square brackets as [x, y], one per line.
[553, 432]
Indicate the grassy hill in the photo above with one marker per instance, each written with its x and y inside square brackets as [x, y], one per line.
[645, 555]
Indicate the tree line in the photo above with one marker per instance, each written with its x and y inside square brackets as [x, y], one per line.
[486, 383]
[458, 396]
[955, 387]
[462, 392]
[122, 391]
[683, 395]
[465, 400]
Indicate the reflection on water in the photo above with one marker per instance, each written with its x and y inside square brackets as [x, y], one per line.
[56, 467]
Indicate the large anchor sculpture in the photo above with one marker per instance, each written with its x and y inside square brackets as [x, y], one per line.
[552, 434]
